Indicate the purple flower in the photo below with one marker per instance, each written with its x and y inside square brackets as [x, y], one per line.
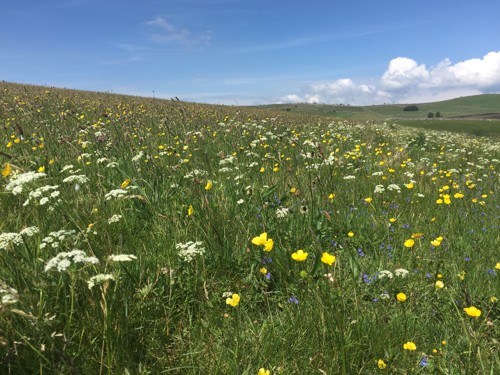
[293, 300]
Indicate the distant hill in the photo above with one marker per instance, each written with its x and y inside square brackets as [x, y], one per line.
[486, 106]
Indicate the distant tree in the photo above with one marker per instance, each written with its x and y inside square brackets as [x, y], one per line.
[438, 114]
[430, 115]
[410, 108]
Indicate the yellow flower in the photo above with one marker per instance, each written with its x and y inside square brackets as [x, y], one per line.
[473, 311]
[41, 169]
[332, 196]
[493, 299]
[401, 297]
[300, 255]
[439, 284]
[263, 270]
[458, 195]
[263, 371]
[410, 346]
[234, 300]
[392, 220]
[368, 200]
[262, 170]
[125, 183]
[293, 190]
[190, 210]
[262, 240]
[497, 266]
[6, 170]
[409, 243]
[381, 364]
[350, 234]
[409, 186]
[328, 258]
[209, 185]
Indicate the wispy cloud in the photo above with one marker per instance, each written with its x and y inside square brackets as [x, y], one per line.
[131, 47]
[172, 34]
[316, 39]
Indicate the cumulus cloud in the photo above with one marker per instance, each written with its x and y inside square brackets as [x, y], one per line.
[407, 81]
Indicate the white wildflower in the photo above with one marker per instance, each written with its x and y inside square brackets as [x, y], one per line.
[385, 273]
[282, 212]
[114, 219]
[139, 156]
[77, 179]
[189, 250]
[394, 187]
[99, 279]
[63, 260]
[379, 189]
[240, 201]
[349, 177]
[122, 258]
[401, 272]
[116, 193]
[17, 182]
[8, 295]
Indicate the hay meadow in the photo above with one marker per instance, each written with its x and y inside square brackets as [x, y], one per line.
[147, 236]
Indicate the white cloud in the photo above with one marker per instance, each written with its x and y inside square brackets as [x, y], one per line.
[407, 81]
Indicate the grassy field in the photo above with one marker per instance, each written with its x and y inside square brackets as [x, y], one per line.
[146, 236]
[477, 115]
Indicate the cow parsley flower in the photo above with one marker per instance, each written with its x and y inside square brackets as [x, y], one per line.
[64, 260]
[99, 279]
[189, 250]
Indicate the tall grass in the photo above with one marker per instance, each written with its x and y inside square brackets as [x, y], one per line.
[142, 222]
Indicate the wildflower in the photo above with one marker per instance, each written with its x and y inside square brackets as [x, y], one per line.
[401, 272]
[125, 183]
[409, 186]
[262, 240]
[190, 210]
[473, 311]
[263, 270]
[189, 250]
[409, 243]
[263, 371]
[493, 299]
[234, 300]
[116, 193]
[122, 258]
[439, 284]
[293, 190]
[392, 220]
[410, 346]
[209, 185]
[282, 212]
[385, 273]
[331, 197]
[368, 200]
[300, 255]
[63, 260]
[114, 219]
[423, 362]
[328, 258]
[99, 279]
[293, 300]
[350, 234]
[6, 170]
[401, 297]
[381, 364]
[497, 266]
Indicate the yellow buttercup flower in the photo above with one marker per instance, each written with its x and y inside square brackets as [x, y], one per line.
[6, 170]
[381, 364]
[262, 240]
[368, 200]
[263, 371]
[209, 185]
[125, 183]
[234, 300]
[401, 297]
[190, 210]
[439, 284]
[409, 243]
[300, 256]
[350, 234]
[473, 311]
[410, 346]
[328, 258]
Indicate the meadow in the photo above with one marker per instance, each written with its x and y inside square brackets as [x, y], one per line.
[147, 236]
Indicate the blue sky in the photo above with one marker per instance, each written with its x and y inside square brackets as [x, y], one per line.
[256, 51]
